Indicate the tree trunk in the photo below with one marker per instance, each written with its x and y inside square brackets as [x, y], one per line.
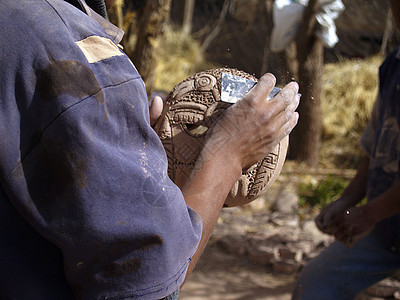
[182, 14]
[118, 14]
[217, 27]
[269, 24]
[391, 37]
[150, 27]
[289, 64]
[188, 16]
[178, 11]
[306, 137]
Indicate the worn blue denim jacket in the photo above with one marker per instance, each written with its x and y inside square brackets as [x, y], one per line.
[86, 205]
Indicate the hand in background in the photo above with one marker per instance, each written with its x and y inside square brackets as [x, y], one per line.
[352, 225]
[352, 195]
[330, 213]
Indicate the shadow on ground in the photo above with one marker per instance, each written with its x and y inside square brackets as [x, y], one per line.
[222, 276]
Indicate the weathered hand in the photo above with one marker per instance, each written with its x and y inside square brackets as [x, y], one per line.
[245, 133]
[330, 213]
[252, 127]
[352, 225]
[156, 108]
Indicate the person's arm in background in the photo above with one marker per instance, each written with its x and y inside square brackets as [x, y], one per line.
[355, 192]
[357, 222]
[248, 131]
[351, 196]
[344, 220]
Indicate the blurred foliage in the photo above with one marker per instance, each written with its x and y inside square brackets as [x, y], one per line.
[320, 193]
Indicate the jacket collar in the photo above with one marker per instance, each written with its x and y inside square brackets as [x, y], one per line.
[113, 31]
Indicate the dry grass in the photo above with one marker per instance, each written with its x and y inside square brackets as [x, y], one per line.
[179, 56]
[349, 91]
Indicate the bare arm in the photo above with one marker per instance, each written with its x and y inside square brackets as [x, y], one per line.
[352, 195]
[248, 131]
[357, 189]
[351, 223]
[357, 222]
[386, 205]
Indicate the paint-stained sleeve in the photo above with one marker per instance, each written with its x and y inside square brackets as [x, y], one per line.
[98, 188]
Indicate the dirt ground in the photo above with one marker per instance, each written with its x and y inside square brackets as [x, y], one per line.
[222, 276]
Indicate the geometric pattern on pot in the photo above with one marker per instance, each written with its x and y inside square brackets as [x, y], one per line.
[192, 106]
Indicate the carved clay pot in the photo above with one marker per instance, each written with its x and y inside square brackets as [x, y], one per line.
[191, 108]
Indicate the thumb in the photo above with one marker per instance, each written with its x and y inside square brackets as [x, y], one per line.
[156, 108]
